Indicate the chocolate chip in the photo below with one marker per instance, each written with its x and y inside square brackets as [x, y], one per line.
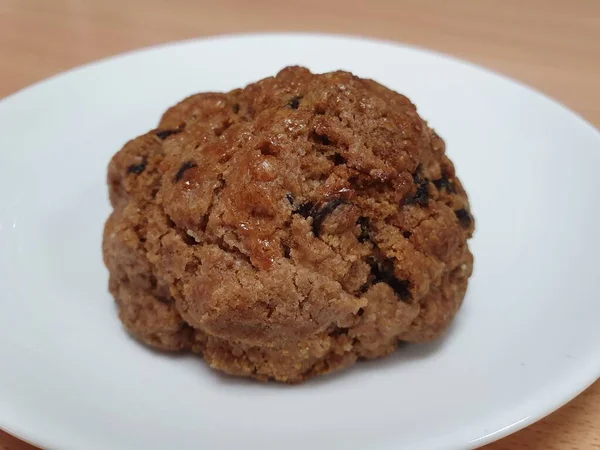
[305, 209]
[322, 214]
[364, 229]
[422, 194]
[184, 167]
[383, 272]
[137, 168]
[236, 108]
[407, 234]
[290, 198]
[163, 134]
[444, 183]
[294, 103]
[464, 218]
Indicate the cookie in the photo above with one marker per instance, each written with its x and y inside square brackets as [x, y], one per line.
[289, 228]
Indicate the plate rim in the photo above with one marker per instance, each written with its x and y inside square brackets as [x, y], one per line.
[302, 34]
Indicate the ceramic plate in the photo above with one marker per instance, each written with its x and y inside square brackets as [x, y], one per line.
[526, 340]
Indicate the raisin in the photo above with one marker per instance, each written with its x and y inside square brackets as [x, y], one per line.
[338, 331]
[444, 183]
[294, 103]
[236, 108]
[163, 134]
[464, 218]
[407, 234]
[422, 193]
[137, 168]
[383, 272]
[364, 229]
[320, 139]
[338, 159]
[360, 312]
[364, 288]
[322, 214]
[309, 209]
[189, 240]
[305, 209]
[184, 167]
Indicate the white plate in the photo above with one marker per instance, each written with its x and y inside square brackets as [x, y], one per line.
[526, 341]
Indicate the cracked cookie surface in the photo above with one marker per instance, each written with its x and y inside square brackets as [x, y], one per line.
[289, 228]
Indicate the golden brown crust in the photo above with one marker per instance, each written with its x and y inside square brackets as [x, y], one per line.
[289, 228]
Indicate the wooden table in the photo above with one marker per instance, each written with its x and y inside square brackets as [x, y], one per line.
[553, 45]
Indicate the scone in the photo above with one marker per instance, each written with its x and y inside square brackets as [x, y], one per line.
[289, 228]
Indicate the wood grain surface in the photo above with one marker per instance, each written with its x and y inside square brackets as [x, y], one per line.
[553, 45]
